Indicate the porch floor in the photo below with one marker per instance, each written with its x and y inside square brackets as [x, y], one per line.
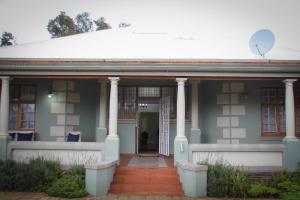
[125, 159]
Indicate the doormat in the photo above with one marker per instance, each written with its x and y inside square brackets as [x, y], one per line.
[147, 162]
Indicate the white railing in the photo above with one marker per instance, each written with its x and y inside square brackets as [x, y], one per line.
[249, 156]
[67, 153]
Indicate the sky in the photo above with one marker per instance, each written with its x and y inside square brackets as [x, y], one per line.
[28, 19]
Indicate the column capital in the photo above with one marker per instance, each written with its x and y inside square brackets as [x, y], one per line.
[5, 78]
[181, 80]
[114, 79]
[289, 81]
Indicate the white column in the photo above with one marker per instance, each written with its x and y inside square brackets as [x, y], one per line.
[103, 104]
[113, 107]
[4, 109]
[195, 110]
[289, 109]
[180, 108]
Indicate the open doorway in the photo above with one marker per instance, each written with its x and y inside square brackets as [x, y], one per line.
[148, 139]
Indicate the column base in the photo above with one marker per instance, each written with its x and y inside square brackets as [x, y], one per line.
[101, 134]
[290, 139]
[181, 150]
[3, 146]
[195, 136]
[292, 154]
[112, 148]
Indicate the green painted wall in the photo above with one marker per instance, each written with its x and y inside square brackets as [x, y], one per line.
[126, 133]
[209, 111]
[86, 109]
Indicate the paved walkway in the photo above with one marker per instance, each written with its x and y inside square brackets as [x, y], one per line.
[42, 196]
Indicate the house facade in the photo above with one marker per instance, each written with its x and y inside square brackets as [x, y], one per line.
[243, 109]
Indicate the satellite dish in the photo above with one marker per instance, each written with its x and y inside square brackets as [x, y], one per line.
[261, 42]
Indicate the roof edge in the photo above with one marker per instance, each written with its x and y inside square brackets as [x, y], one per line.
[138, 61]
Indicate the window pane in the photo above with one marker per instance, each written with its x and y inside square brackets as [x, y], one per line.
[129, 102]
[268, 95]
[120, 102]
[269, 118]
[28, 93]
[281, 95]
[27, 115]
[149, 92]
[169, 91]
[297, 108]
[12, 116]
[282, 118]
[14, 92]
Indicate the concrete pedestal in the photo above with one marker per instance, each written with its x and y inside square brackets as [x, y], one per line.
[3, 147]
[292, 154]
[112, 148]
[180, 149]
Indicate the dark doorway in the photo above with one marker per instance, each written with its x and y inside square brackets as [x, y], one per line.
[148, 132]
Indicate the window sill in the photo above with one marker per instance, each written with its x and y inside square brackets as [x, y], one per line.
[268, 138]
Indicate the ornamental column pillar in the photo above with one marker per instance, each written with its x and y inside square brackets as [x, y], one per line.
[112, 145]
[102, 129]
[4, 114]
[290, 110]
[180, 143]
[292, 144]
[195, 131]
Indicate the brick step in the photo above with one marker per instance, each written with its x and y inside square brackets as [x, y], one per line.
[146, 181]
[146, 189]
[142, 179]
[147, 171]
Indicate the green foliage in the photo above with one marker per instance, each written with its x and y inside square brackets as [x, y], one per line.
[34, 176]
[101, 24]
[64, 25]
[226, 181]
[263, 190]
[288, 186]
[83, 23]
[67, 187]
[291, 196]
[7, 39]
[77, 170]
[61, 25]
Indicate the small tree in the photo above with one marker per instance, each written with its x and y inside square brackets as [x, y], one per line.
[7, 39]
[61, 25]
[101, 24]
[83, 23]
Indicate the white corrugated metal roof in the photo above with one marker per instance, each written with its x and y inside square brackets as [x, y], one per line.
[128, 43]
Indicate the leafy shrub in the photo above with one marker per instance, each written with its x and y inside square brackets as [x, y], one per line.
[263, 190]
[291, 196]
[288, 186]
[67, 187]
[77, 170]
[226, 181]
[34, 176]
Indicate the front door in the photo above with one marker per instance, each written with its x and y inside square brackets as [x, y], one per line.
[164, 125]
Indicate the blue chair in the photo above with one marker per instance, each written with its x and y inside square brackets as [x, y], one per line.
[74, 136]
[12, 135]
[25, 136]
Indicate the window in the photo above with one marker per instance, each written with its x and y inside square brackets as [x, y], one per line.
[126, 102]
[273, 111]
[128, 97]
[22, 107]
